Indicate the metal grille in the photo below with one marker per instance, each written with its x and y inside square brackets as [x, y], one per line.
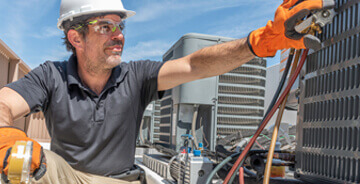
[165, 118]
[228, 131]
[240, 103]
[328, 130]
[237, 120]
[184, 173]
[257, 62]
[241, 79]
[241, 90]
[250, 70]
[339, 80]
[156, 120]
[157, 164]
[243, 100]
[332, 167]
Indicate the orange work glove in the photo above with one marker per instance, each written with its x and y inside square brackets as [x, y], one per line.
[281, 34]
[8, 137]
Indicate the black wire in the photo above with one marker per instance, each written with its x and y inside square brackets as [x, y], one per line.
[276, 95]
[280, 87]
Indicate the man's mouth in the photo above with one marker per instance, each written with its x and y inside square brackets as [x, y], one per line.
[115, 49]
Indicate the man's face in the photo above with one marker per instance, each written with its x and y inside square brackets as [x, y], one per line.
[103, 46]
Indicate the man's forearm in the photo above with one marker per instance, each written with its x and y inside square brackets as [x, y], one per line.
[6, 118]
[221, 58]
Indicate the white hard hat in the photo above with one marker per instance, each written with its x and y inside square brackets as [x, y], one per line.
[70, 9]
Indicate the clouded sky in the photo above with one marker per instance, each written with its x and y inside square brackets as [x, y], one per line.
[28, 27]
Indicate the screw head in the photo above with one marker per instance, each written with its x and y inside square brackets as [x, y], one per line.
[325, 13]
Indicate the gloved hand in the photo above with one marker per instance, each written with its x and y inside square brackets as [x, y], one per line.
[8, 137]
[281, 34]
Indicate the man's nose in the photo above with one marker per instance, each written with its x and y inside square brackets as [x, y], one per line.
[118, 34]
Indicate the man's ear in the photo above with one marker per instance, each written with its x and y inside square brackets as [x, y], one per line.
[75, 39]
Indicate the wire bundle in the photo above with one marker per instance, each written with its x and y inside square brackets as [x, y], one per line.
[243, 154]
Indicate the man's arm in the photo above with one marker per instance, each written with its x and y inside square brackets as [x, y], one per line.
[207, 62]
[12, 106]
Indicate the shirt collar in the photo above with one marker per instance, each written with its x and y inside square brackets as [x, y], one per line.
[117, 75]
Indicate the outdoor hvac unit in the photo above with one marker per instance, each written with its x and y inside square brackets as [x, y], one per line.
[150, 124]
[328, 131]
[221, 105]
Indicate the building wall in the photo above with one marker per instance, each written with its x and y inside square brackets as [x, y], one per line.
[13, 68]
[4, 67]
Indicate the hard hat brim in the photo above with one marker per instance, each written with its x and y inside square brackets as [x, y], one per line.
[128, 13]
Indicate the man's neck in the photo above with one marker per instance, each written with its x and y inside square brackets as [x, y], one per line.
[95, 80]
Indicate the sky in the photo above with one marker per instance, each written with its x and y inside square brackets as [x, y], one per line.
[29, 28]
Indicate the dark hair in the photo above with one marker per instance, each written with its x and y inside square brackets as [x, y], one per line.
[83, 31]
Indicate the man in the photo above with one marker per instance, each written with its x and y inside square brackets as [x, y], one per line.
[94, 103]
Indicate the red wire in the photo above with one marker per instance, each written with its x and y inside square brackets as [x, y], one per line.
[267, 118]
[259, 145]
[241, 176]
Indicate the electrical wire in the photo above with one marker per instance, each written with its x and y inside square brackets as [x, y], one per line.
[281, 84]
[259, 145]
[276, 95]
[277, 126]
[274, 108]
[273, 101]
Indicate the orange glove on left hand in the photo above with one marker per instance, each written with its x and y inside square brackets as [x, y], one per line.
[281, 34]
[8, 137]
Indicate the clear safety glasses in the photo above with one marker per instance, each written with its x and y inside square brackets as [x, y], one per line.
[105, 26]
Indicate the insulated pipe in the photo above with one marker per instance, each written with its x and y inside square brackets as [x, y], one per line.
[241, 144]
[277, 125]
[193, 126]
[257, 133]
[219, 166]
[234, 175]
[141, 134]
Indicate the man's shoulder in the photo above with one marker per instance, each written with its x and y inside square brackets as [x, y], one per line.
[54, 68]
[140, 64]
[61, 66]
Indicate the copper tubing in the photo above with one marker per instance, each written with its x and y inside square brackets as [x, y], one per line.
[277, 125]
[241, 176]
[266, 120]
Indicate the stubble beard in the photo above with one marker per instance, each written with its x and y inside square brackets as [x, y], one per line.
[102, 64]
[113, 60]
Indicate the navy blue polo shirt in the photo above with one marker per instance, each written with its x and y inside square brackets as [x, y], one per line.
[93, 133]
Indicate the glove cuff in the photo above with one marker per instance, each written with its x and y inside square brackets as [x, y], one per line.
[258, 41]
[248, 43]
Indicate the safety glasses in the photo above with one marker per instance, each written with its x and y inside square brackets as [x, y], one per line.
[104, 26]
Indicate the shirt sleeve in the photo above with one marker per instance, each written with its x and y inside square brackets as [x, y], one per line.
[35, 87]
[147, 71]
